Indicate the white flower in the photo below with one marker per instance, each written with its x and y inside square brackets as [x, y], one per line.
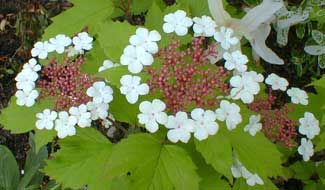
[64, 125]
[177, 22]
[100, 92]
[145, 39]
[180, 127]
[245, 86]
[229, 112]
[60, 42]
[83, 41]
[298, 96]
[32, 64]
[82, 115]
[135, 58]
[235, 60]
[72, 51]
[98, 110]
[239, 170]
[204, 26]
[276, 82]
[132, 88]
[306, 149]
[107, 64]
[26, 98]
[309, 125]
[225, 37]
[26, 79]
[41, 49]
[254, 125]
[46, 119]
[152, 114]
[254, 179]
[205, 123]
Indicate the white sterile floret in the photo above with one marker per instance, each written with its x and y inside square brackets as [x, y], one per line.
[60, 42]
[83, 41]
[26, 98]
[135, 58]
[180, 127]
[225, 37]
[204, 26]
[72, 51]
[177, 22]
[298, 96]
[32, 64]
[41, 49]
[26, 79]
[229, 112]
[254, 125]
[239, 170]
[306, 149]
[309, 125]
[276, 82]
[152, 114]
[245, 86]
[98, 110]
[145, 39]
[65, 125]
[205, 123]
[254, 179]
[82, 115]
[46, 119]
[100, 92]
[235, 60]
[107, 64]
[132, 88]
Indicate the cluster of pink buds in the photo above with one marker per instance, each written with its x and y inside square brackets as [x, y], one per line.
[186, 78]
[276, 124]
[65, 82]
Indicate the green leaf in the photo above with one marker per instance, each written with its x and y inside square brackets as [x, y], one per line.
[42, 137]
[303, 170]
[81, 160]
[140, 6]
[217, 151]
[317, 36]
[152, 165]
[257, 153]
[94, 59]
[9, 172]
[82, 14]
[197, 8]
[211, 180]
[154, 18]
[241, 184]
[122, 110]
[21, 119]
[321, 171]
[321, 61]
[114, 37]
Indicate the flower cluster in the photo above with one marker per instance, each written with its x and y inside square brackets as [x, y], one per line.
[187, 78]
[65, 83]
[276, 124]
[25, 83]
[239, 170]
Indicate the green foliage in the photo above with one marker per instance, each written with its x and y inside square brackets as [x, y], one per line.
[217, 151]
[32, 179]
[114, 37]
[81, 160]
[197, 8]
[27, 116]
[152, 164]
[83, 14]
[257, 153]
